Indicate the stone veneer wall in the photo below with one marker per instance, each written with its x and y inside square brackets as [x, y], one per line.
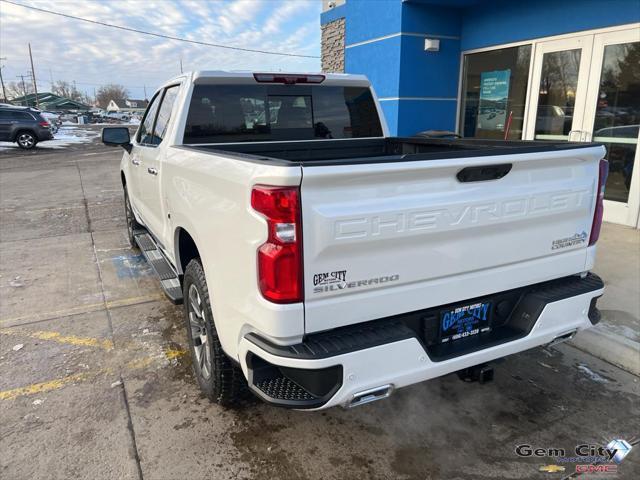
[332, 49]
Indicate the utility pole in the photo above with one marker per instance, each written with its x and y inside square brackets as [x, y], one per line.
[4, 92]
[33, 76]
[145, 92]
[24, 87]
[51, 77]
[181, 65]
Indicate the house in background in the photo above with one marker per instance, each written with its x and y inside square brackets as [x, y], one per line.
[128, 106]
[51, 102]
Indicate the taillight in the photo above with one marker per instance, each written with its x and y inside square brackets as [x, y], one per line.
[280, 257]
[290, 79]
[45, 124]
[597, 215]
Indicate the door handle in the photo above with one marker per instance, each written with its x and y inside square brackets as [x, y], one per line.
[486, 172]
[152, 171]
[135, 161]
[578, 132]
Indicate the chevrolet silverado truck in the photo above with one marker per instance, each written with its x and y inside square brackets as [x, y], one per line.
[322, 262]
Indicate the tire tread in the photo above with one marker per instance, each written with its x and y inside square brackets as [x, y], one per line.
[226, 385]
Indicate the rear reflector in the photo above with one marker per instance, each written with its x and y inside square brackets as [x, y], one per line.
[280, 257]
[597, 215]
[291, 79]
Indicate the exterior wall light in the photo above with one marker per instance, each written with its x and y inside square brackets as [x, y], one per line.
[431, 44]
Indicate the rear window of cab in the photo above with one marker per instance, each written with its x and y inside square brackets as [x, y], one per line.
[250, 113]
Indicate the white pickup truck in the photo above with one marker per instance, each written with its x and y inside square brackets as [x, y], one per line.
[323, 262]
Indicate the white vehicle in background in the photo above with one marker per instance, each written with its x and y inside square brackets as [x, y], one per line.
[322, 262]
[123, 116]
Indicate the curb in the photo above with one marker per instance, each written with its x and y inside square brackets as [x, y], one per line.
[609, 347]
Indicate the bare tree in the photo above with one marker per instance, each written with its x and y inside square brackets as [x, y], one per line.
[67, 90]
[106, 93]
[16, 89]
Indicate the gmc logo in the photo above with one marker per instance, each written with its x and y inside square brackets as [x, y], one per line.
[604, 468]
[408, 221]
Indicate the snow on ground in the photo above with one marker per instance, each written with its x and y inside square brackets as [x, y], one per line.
[131, 122]
[64, 137]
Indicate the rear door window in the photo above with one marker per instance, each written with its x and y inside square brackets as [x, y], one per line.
[145, 133]
[250, 113]
[164, 114]
[21, 116]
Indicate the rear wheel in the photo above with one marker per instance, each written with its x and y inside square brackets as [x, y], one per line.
[26, 140]
[219, 379]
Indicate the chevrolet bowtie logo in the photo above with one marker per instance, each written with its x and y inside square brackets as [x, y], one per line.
[551, 468]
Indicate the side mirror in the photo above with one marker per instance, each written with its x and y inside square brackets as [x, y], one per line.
[117, 137]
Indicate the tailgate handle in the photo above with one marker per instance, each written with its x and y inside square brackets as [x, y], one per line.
[483, 173]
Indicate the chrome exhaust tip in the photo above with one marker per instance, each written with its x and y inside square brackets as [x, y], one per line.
[562, 338]
[370, 395]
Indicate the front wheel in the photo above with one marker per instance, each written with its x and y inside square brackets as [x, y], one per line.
[132, 223]
[219, 379]
[26, 140]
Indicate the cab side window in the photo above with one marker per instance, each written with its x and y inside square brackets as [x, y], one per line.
[164, 114]
[145, 134]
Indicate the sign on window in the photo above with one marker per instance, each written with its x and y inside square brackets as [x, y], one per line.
[494, 95]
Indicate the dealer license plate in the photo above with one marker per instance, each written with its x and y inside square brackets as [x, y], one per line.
[465, 321]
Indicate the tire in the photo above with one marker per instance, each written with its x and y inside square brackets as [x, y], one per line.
[26, 140]
[219, 379]
[132, 223]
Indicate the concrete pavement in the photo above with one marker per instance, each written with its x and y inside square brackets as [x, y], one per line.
[95, 382]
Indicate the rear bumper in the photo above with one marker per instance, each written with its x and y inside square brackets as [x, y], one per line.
[45, 135]
[396, 352]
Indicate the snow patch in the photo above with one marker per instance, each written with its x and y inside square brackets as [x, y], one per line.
[591, 374]
[65, 136]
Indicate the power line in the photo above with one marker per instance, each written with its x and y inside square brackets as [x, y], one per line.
[159, 35]
[51, 82]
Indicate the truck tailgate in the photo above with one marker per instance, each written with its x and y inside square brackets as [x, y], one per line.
[388, 238]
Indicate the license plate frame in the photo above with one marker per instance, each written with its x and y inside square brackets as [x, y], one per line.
[464, 321]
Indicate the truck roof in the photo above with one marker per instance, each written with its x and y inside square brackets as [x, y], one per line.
[245, 76]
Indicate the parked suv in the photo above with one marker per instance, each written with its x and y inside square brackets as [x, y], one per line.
[23, 125]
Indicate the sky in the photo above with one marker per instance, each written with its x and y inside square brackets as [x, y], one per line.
[92, 55]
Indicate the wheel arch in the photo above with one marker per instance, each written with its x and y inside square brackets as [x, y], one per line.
[185, 249]
[25, 130]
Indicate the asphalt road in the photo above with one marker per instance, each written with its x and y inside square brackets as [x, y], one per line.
[95, 383]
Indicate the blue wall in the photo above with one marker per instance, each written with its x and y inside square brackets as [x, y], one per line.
[505, 21]
[418, 88]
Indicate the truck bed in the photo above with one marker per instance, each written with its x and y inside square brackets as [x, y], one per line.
[377, 150]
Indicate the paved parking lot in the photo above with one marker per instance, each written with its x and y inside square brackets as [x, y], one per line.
[95, 382]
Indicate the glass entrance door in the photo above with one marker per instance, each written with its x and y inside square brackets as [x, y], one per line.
[559, 89]
[587, 88]
[612, 117]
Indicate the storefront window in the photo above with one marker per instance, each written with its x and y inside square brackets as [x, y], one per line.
[494, 89]
[617, 117]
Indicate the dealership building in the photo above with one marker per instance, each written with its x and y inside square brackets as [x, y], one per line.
[560, 70]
